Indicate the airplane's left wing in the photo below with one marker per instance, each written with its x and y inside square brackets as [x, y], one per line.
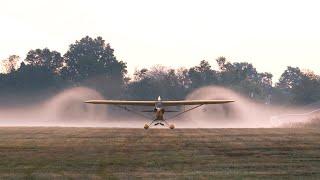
[118, 102]
[194, 102]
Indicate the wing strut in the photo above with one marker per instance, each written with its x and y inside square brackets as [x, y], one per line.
[134, 112]
[190, 109]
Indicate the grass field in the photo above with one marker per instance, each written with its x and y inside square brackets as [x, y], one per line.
[101, 153]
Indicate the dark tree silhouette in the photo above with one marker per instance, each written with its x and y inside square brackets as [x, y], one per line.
[158, 81]
[92, 62]
[299, 87]
[51, 60]
[202, 75]
[291, 77]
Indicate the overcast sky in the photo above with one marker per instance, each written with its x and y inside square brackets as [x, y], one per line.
[271, 34]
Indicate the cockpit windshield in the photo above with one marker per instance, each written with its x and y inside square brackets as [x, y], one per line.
[159, 104]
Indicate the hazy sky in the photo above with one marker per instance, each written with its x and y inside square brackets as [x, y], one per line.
[271, 34]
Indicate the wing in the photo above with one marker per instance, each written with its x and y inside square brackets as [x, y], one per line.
[164, 103]
[117, 102]
[194, 102]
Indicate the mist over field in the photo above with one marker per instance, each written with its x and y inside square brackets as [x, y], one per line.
[67, 109]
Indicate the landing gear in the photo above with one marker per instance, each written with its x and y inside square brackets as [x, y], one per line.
[156, 123]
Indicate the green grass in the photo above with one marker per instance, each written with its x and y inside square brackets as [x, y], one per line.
[101, 153]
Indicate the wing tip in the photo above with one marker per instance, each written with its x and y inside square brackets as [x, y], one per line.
[89, 101]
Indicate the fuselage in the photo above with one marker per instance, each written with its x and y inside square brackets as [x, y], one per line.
[159, 110]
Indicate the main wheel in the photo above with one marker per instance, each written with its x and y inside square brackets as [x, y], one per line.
[146, 126]
[171, 126]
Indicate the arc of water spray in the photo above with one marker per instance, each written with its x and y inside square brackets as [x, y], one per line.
[277, 118]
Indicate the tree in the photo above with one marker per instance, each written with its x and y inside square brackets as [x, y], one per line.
[140, 74]
[52, 60]
[31, 78]
[307, 90]
[38, 72]
[9, 65]
[202, 75]
[158, 81]
[244, 77]
[290, 78]
[92, 62]
[300, 87]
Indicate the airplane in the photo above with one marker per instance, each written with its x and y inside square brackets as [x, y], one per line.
[159, 108]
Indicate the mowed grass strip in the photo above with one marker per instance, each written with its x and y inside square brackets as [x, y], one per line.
[100, 153]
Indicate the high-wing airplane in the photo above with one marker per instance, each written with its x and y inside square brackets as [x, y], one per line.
[159, 108]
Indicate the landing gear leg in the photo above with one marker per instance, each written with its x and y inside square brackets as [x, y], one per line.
[146, 126]
[164, 122]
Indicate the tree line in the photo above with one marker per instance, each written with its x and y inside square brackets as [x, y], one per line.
[91, 62]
